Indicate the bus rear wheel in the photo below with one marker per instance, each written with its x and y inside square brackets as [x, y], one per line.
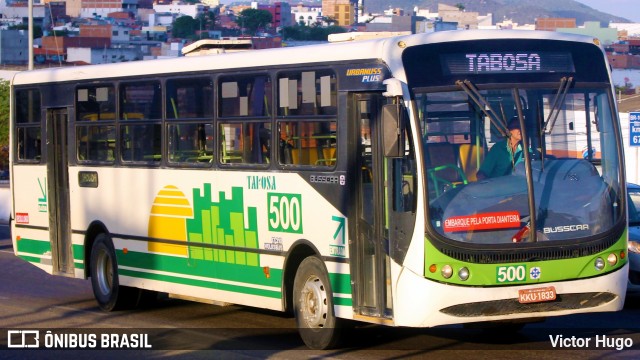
[313, 305]
[104, 278]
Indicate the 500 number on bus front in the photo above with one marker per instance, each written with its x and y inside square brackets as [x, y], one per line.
[507, 274]
[285, 212]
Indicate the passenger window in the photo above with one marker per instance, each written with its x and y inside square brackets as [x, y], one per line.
[190, 98]
[140, 100]
[141, 122]
[95, 103]
[141, 143]
[307, 93]
[95, 123]
[28, 125]
[245, 143]
[308, 143]
[95, 142]
[189, 114]
[244, 96]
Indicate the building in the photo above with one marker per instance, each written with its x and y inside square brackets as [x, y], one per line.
[607, 36]
[179, 8]
[551, 24]
[14, 47]
[306, 15]
[629, 29]
[395, 23]
[83, 55]
[280, 14]
[54, 48]
[624, 54]
[92, 8]
[465, 19]
[342, 11]
[19, 14]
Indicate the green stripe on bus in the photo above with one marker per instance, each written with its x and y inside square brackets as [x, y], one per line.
[342, 301]
[78, 253]
[32, 246]
[340, 283]
[31, 259]
[204, 268]
[201, 283]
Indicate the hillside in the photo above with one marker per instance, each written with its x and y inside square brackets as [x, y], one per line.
[522, 12]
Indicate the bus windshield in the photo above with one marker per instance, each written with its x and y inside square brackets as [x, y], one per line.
[520, 162]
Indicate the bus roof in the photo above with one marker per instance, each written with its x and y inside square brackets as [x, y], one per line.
[357, 50]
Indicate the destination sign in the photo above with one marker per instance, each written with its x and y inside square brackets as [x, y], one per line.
[516, 62]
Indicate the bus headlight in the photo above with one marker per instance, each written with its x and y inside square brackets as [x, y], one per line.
[447, 271]
[599, 264]
[612, 259]
[634, 246]
[463, 273]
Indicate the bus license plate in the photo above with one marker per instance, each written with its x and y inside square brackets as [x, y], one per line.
[527, 296]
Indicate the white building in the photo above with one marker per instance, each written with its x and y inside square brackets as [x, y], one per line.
[161, 19]
[181, 9]
[103, 56]
[632, 29]
[307, 14]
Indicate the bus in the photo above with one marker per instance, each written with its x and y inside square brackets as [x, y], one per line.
[336, 182]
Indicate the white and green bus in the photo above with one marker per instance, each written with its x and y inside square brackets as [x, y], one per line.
[338, 181]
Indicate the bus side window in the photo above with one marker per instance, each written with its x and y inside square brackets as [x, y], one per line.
[140, 122]
[189, 113]
[244, 142]
[246, 95]
[307, 93]
[28, 122]
[311, 143]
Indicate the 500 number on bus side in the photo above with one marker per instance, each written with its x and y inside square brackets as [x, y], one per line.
[285, 212]
[509, 274]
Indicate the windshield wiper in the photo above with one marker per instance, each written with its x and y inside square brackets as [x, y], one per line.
[484, 105]
[565, 83]
[531, 235]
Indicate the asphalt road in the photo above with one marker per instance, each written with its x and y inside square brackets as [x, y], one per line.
[33, 300]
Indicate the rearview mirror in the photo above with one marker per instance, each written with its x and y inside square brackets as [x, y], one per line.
[393, 120]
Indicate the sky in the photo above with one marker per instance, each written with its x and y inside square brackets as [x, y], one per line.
[628, 9]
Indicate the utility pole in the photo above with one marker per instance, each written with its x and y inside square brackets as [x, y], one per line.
[30, 34]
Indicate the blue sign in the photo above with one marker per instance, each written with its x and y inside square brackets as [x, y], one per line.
[634, 128]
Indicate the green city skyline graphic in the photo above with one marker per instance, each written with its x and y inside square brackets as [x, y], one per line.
[222, 223]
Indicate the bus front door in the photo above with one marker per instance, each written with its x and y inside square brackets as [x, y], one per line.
[372, 293]
[58, 191]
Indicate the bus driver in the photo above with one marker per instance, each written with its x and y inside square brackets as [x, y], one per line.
[504, 155]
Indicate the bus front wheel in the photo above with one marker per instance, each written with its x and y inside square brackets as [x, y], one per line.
[313, 305]
[104, 277]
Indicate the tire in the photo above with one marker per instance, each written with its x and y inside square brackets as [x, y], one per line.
[104, 278]
[313, 305]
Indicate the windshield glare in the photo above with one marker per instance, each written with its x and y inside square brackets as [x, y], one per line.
[475, 144]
